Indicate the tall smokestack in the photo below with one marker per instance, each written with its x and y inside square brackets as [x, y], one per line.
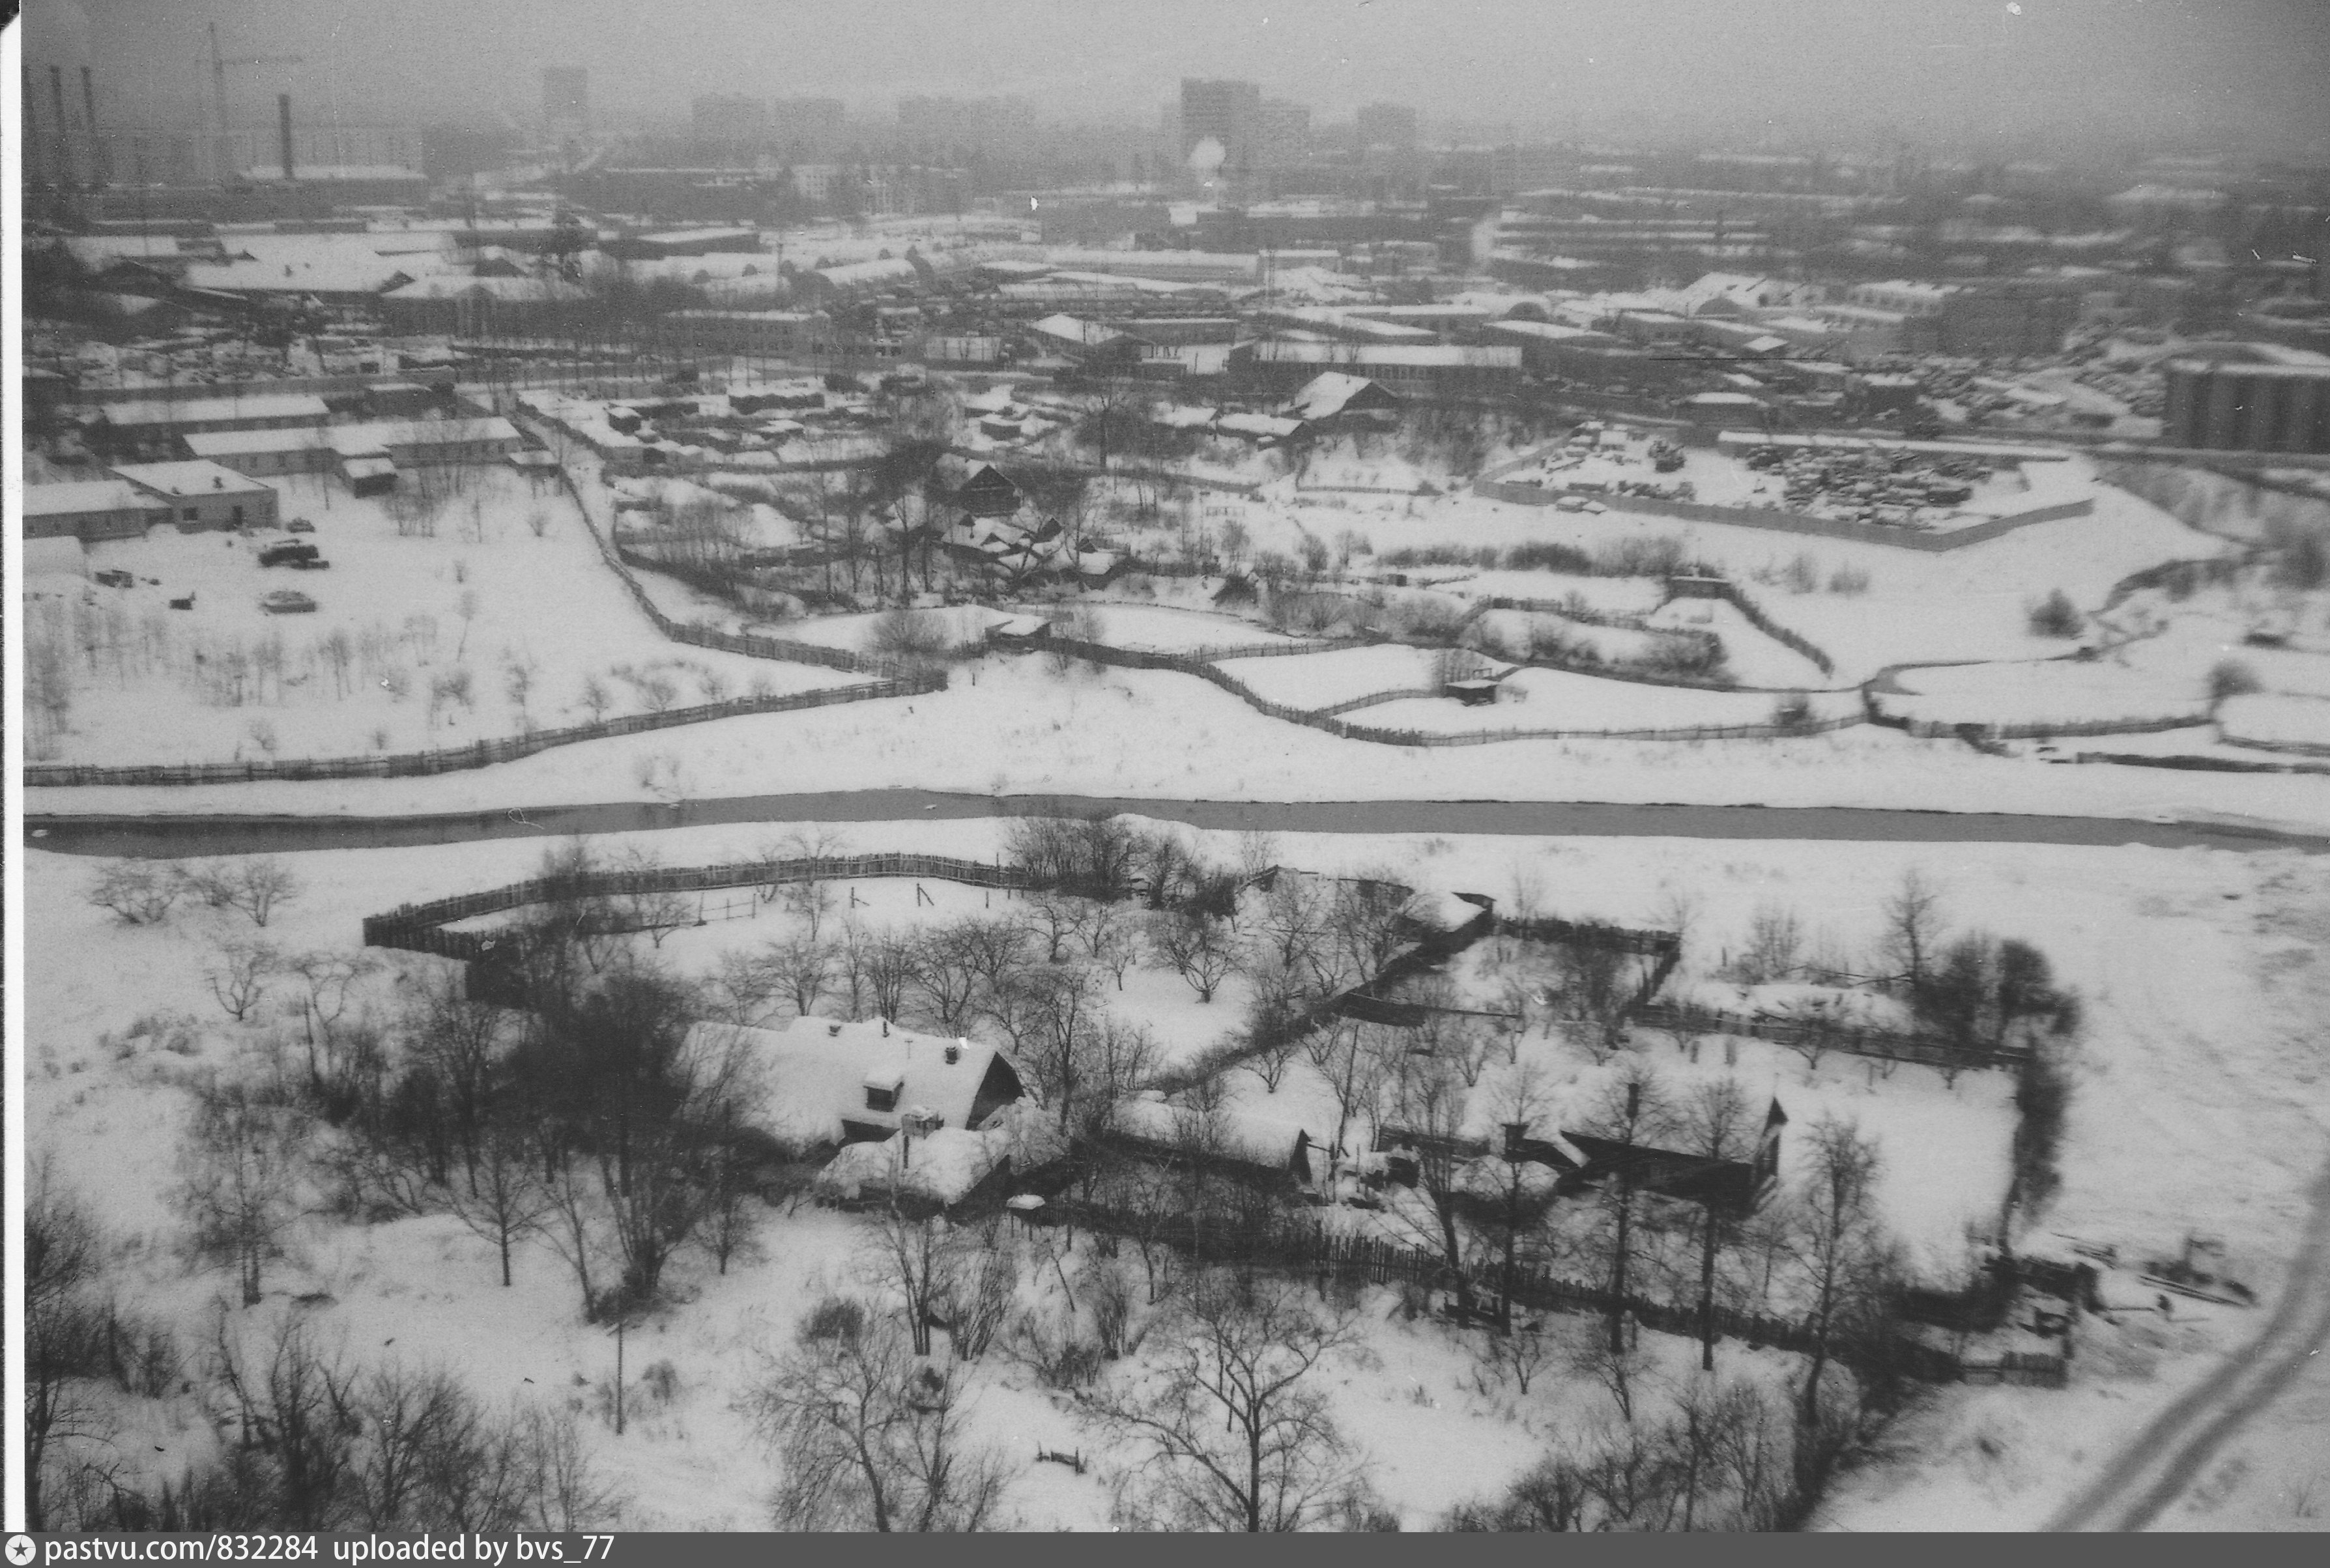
[89, 112]
[283, 120]
[64, 136]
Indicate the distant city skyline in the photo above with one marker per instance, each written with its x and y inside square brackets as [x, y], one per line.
[2050, 74]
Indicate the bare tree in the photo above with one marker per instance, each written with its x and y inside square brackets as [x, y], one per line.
[869, 1437]
[1913, 927]
[504, 1199]
[238, 974]
[64, 1338]
[262, 884]
[239, 1181]
[140, 892]
[1715, 1125]
[1234, 1430]
[1633, 1112]
[1838, 1245]
[798, 969]
[1198, 947]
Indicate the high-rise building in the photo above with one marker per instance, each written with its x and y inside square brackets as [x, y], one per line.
[566, 96]
[808, 124]
[1281, 134]
[1386, 125]
[731, 119]
[1225, 112]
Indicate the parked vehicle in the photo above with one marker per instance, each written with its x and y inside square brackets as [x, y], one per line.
[290, 553]
[300, 526]
[114, 578]
[286, 601]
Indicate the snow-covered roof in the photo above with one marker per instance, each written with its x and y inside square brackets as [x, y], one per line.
[387, 433]
[1327, 394]
[82, 496]
[814, 1072]
[1076, 330]
[207, 411]
[195, 477]
[217, 444]
[1259, 425]
[1249, 1135]
[507, 290]
[1447, 355]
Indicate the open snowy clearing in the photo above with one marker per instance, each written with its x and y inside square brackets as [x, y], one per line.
[1540, 699]
[1322, 680]
[1167, 629]
[411, 647]
[2048, 692]
[1010, 725]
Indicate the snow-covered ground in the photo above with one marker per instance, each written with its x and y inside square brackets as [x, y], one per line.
[2197, 1107]
[2274, 719]
[1166, 628]
[1010, 725]
[412, 646]
[2042, 692]
[1540, 699]
[1321, 680]
[1967, 603]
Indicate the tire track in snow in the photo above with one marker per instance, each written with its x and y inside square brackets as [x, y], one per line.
[2170, 1453]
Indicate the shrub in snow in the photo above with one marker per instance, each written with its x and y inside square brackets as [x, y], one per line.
[2056, 615]
[2231, 678]
[140, 892]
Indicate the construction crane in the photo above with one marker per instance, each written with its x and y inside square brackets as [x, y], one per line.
[218, 90]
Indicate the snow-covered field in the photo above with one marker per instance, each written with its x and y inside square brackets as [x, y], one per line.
[1540, 699]
[485, 630]
[2048, 692]
[2195, 1107]
[1967, 603]
[1010, 725]
[1321, 680]
[2273, 720]
[1166, 628]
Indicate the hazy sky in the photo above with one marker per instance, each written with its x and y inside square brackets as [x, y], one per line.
[1925, 70]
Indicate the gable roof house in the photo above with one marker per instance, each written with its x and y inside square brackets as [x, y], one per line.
[825, 1081]
[1334, 396]
[979, 488]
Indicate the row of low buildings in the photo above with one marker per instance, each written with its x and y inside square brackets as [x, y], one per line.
[194, 495]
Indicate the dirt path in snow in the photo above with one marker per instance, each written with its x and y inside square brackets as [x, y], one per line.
[2170, 1454]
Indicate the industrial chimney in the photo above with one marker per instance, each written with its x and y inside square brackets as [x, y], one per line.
[97, 159]
[283, 120]
[64, 134]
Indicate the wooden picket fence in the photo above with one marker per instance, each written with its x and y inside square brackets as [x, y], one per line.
[1150, 659]
[1883, 1045]
[420, 927]
[1301, 1247]
[478, 754]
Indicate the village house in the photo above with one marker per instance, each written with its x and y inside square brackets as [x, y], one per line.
[830, 1082]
